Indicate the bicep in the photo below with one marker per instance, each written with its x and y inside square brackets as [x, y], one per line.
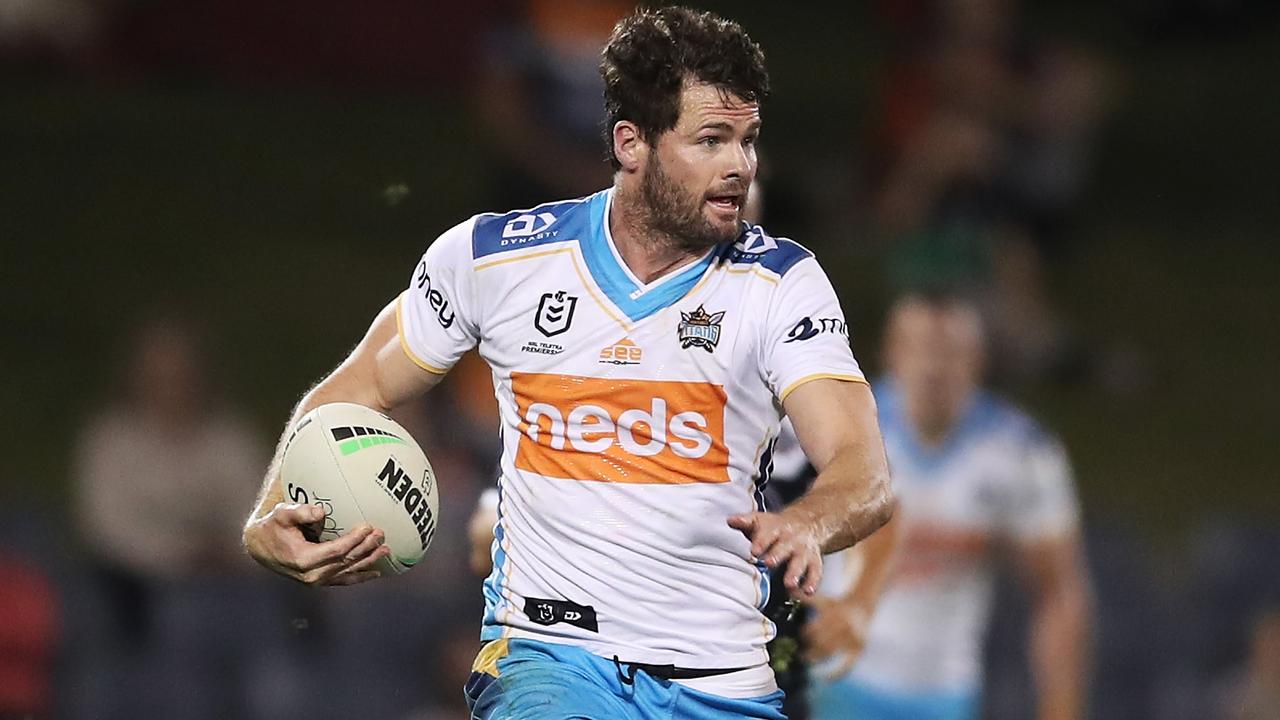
[379, 372]
[833, 415]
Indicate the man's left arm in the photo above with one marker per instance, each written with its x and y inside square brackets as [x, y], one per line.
[1043, 521]
[835, 421]
[1061, 623]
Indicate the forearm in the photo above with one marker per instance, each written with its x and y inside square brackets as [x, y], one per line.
[850, 499]
[1060, 633]
[878, 552]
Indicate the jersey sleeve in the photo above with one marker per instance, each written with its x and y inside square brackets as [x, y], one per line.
[1043, 501]
[437, 315]
[805, 335]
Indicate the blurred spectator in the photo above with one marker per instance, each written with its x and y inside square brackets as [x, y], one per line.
[1255, 692]
[1233, 582]
[983, 144]
[164, 474]
[28, 639]
[54, 29]
[539, 100]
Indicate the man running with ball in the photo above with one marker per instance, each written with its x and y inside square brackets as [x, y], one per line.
[645, 342]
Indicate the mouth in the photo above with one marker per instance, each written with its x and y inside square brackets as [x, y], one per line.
[729, 203]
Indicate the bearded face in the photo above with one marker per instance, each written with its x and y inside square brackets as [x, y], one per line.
[691, 188]
[678, 212]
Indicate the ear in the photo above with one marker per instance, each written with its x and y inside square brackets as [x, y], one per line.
[629, 146]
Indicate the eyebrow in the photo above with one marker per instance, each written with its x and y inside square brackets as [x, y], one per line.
[723, 125]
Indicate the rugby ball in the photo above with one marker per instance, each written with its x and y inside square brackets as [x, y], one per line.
[359, 466]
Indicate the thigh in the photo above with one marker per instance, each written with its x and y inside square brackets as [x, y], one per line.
[537, 688]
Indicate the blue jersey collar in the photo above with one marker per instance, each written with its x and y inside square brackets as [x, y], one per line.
[620, 285]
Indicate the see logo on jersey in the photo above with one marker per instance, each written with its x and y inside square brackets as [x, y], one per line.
[700, 328]
[623, 352]
[555, 313]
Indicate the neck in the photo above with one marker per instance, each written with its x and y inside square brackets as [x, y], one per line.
[648, 252]
[933, 434]
[932, 428]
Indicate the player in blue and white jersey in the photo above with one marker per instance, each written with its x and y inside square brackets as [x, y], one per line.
[978, 481]
[645, 342]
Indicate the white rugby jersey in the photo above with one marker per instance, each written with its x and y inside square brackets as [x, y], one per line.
[636, 418]
[997, 478]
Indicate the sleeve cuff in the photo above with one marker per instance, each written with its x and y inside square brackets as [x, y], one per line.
[847, 377]
[404, 342]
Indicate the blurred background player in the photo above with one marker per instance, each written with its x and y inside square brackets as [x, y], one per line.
[977, 479]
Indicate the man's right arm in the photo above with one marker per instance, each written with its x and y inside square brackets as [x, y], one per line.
[378, 374]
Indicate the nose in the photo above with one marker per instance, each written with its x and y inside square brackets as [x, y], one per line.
[739, 164]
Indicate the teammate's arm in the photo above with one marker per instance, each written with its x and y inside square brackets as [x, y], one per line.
[840, 624]
[1060, 623]
[378, 374]
[835, 421]
[480, 532]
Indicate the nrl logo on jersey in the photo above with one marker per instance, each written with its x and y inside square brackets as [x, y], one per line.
[555, 313]
[698, 328]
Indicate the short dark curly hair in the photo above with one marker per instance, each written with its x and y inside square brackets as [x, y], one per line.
[654, 50]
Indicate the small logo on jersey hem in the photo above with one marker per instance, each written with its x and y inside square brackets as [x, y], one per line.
[555, 313]
[545, 611]
[537, 347]
[701, 329]
[623, 352]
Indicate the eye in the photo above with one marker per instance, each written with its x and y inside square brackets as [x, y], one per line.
[710, 141]
[749, 140]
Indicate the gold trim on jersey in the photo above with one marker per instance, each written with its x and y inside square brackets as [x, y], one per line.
[753, 269]
[782, 396]
[404, 342]
[582, 277]
[522, 256]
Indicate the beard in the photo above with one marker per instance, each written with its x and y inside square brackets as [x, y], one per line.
[673, 213]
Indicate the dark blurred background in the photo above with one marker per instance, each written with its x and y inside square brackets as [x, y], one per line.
[203, 204]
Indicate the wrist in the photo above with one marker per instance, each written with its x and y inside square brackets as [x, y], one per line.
[807, 518]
